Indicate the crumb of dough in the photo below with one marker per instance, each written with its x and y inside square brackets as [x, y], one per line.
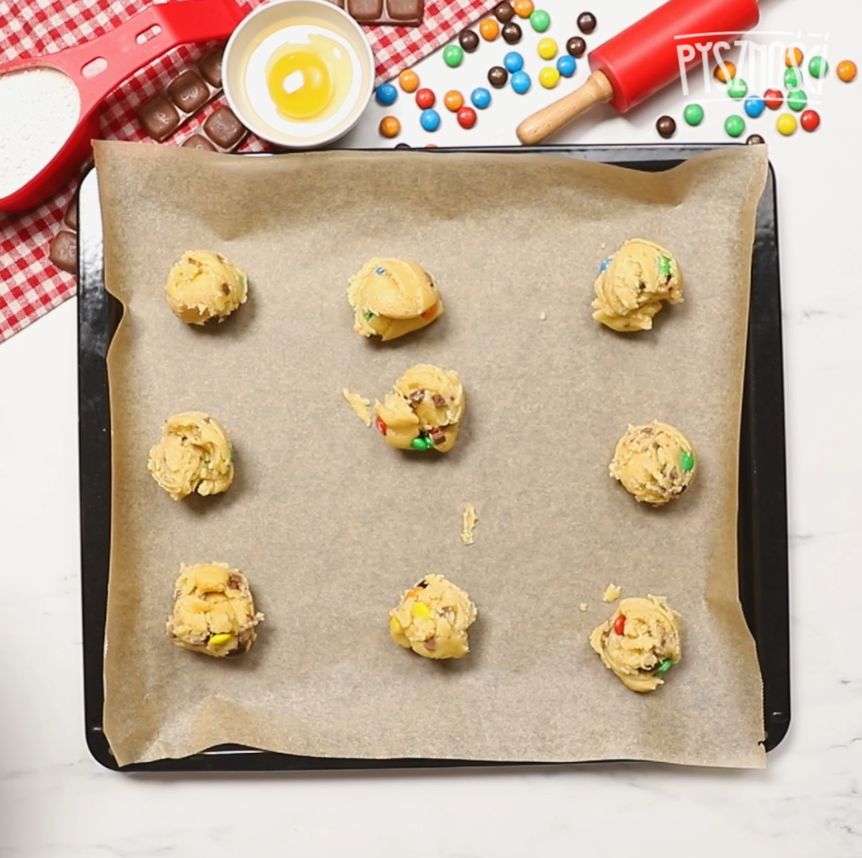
[583, 607]
[359, 404]
[612, 593]
[543, 316]
[468, 525]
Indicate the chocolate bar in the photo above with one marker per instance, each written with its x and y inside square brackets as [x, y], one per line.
[404, 13]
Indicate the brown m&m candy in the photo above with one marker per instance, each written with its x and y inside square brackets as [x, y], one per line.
[469, 40]
[497, 76]
[666, 126]
[504, 12]
[754, 139]
[576, 46]
[512, 33]
[586, 22]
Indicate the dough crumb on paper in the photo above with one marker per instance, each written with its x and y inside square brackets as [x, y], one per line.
[583, 607]
[543, 316]
[612, 593]
[359, 404]
[468, 524]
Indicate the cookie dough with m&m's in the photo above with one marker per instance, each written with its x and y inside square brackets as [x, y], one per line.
[423, 411]
[393, 297]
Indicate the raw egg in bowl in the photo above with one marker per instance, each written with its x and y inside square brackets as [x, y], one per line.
[298, 73]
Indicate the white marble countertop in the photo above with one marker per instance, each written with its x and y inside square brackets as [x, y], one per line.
[56, 801]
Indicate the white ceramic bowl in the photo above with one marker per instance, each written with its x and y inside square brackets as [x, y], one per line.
[244, 79]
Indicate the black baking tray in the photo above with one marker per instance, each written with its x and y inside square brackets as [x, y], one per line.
[762, 520]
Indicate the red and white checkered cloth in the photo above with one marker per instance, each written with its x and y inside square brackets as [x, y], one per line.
[30, 285]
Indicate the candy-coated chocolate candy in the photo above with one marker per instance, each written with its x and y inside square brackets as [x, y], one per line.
[504, 12]
[846, 71]
[381, 426]
[403, 146]
[754, 139]
[576, 47]
[734, 126]
[425, 98]
[469, 40]
[540, 20]
[549, 77]
[421, 443]
[408, 80]
[523, 8]
[818, 67]
[512, 33]
[453, 56]
[774, 98]
[786, 124]
[480, 97]
[497, 76]
[429, 119]
[453, 100]
[754, 106]
[686, 461]
[810, 120]
[797, 100]
[605, 263]
[793, 57]
[620, 625]
[521, 82]
[567, 65]
[586, 22]
[666, 126]
[547, 48]
[693, 114]
[489, 29]
[725, 71]
[664, 667]
[513, 61]
[737, 88]
[385, 94]
[792, 78]
[389, 127]
[466, 117]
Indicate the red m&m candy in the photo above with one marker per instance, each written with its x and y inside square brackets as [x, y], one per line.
[774, 98]
[466, 117]
[620, 625]
[810, 120]
[425, 98]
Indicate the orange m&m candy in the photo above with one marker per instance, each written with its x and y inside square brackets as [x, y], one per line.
[523, 8]
[453, 100]
[793, 58]
[408, 80]
[389, 127]
[725, 72]
[489, 29]
[846, 70]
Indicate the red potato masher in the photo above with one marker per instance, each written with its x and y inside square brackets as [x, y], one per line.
[101, 65]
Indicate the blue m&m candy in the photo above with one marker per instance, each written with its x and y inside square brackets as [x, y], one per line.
[480, 97]
[521, 82]
[754, 105]
[430, 119]
[513, 61]
[567, 65]
[386, 94]
[603, 265]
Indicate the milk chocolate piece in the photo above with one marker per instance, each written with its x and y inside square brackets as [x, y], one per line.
[210, 67]
[63, 251]
[71, 216]
[198, 141]
[224, 129]
[188, 91]
[400, 12]
[159, 117]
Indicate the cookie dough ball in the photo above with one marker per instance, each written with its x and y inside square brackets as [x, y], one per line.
[194, 455]
[213, 611]
[640, 642]
[392, 297]
[632, 284]
[203, 285]
[424, 410]
[654, 462]
[433, 619]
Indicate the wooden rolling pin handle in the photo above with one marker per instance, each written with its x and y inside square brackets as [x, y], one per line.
[534, 129]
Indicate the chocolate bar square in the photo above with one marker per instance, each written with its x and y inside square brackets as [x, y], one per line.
[159, 117]
[406, 10]
[401, 12]
[188, 91]
[198, 141]
[210, 67]
[63, 251]
[224, 129]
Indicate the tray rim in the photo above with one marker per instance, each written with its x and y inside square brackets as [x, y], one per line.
[762, 471]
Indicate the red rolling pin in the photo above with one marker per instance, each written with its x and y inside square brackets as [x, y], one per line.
[646, 57]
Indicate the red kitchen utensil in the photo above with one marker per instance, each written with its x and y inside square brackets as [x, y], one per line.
[101, 65]
[646, 57]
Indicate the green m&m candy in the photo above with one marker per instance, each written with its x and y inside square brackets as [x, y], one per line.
[818, 67]
[540, 20]
[693, 114]
[797, 100]
[734, 126]
[792, 78]
[421, 443]
[664, 667]
[453, 55]
[686, 461]
[737, 88]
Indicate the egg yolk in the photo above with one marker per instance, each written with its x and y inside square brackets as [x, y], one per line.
[300, 84]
